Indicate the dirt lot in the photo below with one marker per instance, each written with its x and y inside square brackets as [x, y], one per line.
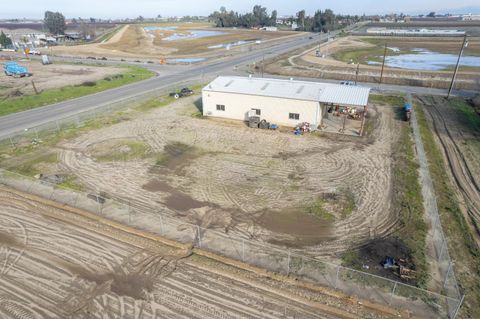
[57, 263]
[134, 41]
[52, 76]
[322, 194]
[306, 63]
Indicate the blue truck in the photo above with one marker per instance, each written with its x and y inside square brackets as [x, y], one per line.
[407, 111]
[15, 70]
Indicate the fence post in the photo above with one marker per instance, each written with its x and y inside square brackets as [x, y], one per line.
[58, 126]
[243, 249]
[393, 293]
[450, 264]
[199, 237]
[36, 132]
[442, 249]
[336, 278]
[288, 263]
[11, 141]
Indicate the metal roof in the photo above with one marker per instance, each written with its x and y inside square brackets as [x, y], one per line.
[292, 89]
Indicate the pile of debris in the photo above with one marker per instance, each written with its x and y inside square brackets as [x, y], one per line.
[400, 267]
[255, 122]
[302, 128]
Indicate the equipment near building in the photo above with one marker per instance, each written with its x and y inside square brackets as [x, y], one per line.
[45, 60]
[407, 110]
[253, 121]
[15, 70]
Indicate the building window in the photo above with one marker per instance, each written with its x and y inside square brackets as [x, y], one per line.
[257, 111]
[293, 116]
[220, 107]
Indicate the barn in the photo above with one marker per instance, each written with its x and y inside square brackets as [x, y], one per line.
[285, 102]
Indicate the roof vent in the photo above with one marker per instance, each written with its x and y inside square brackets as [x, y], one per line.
[250, 76]
[229, 83]
[300, 89]
[291, 79]
[265, 86]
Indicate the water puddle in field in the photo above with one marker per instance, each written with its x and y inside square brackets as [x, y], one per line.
[193, 34]
[186, 60]
[427, 60]
[154, 28]
[307, 230]
[176, 199]
[231, 44]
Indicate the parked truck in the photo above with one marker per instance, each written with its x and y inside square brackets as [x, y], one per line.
[15, 70]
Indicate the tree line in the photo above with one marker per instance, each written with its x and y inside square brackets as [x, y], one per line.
[321, 21]
[259, 17]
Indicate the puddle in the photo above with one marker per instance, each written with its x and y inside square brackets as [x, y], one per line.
[193, 34]
[176, 199]
[8, 240]
[308, 230]
[229, 45]
[428, 60]
[178, 155]
[186, 60]
[153, 28]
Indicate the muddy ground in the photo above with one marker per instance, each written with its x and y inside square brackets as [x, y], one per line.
[305, 63]
[59, 264]
[321, 194]
[52, 76]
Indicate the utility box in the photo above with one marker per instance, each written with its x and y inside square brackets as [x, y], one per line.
[45, 60]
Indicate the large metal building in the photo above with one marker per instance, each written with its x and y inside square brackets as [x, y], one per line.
[283, 102]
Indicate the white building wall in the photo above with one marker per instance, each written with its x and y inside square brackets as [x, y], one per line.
[273, 109]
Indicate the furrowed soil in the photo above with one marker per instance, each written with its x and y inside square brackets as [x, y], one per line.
[60, 263]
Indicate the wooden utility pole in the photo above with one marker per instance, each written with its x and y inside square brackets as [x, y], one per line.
[356, 73]
[464, 45]
[383, 63]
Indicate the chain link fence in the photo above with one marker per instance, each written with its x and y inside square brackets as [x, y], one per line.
[367, 286]
[350, 281]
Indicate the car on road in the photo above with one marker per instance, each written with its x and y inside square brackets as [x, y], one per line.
[182, 93]
[348, 83]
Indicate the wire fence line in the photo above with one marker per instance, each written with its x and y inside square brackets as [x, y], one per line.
[350, 281]
[367, 286]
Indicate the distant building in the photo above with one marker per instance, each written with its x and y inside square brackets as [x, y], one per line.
[283, 102]
[471, 17]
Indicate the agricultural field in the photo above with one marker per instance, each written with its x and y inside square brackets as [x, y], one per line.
[425, 62]
[185, 40]
[58, 263]
[61, 81]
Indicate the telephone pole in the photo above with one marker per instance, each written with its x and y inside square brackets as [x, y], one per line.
[356, 73]
[464, 45]
[383, 63]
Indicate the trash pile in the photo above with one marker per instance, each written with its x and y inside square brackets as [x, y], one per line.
[399, 267]
[350, 112]
[302, 128]
[255, 122]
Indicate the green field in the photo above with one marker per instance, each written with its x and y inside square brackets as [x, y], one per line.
[18, 104]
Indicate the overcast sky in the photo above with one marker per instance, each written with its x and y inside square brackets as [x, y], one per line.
[151, 8]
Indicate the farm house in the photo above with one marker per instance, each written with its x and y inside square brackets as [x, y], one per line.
[287, 102]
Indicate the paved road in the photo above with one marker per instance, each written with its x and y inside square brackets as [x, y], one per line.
[19, 121]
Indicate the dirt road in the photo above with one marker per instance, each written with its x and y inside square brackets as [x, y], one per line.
[452, 135]
[83, 268]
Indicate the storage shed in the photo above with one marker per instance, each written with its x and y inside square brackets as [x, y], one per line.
[283, 102]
